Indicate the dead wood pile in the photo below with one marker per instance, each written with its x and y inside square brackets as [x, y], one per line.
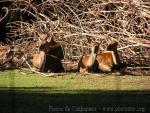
[70, 22]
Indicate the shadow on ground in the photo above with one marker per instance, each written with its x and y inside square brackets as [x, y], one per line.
[24, 100]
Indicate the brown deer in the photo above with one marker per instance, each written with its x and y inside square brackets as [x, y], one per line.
[49, 57]
[38, 61]
[51, 47]
[13, 60]
[87, 63]
[109, 59]
[53, 64]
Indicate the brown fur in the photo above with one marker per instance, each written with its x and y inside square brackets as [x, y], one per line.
[87, 62]
[109, 59]
[82, 65]
[47, 63]
[51, 60]
[52, 48]
[105, 61]
[38, 61]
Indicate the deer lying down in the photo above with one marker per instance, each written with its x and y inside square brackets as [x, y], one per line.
[109, 59]
[47, 63]
[87, 63]
[13, 60]
[49, 57]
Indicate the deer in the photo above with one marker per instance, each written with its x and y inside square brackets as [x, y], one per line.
[13, 60]
[109, 59]
[87, 63]
[49, 57]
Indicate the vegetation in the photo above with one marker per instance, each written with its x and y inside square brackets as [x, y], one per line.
[25, 92]
[70, 22]
[73, 81]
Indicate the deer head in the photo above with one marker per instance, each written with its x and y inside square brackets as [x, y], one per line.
[51, 47]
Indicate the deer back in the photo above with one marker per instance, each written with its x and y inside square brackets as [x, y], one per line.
[109, 59]
[38, 61]
[105, 61]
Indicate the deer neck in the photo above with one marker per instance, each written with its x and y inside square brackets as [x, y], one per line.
[91, 59]
[117, 57]
[114, 57]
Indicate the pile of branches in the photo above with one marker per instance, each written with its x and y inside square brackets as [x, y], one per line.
[70, 22]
